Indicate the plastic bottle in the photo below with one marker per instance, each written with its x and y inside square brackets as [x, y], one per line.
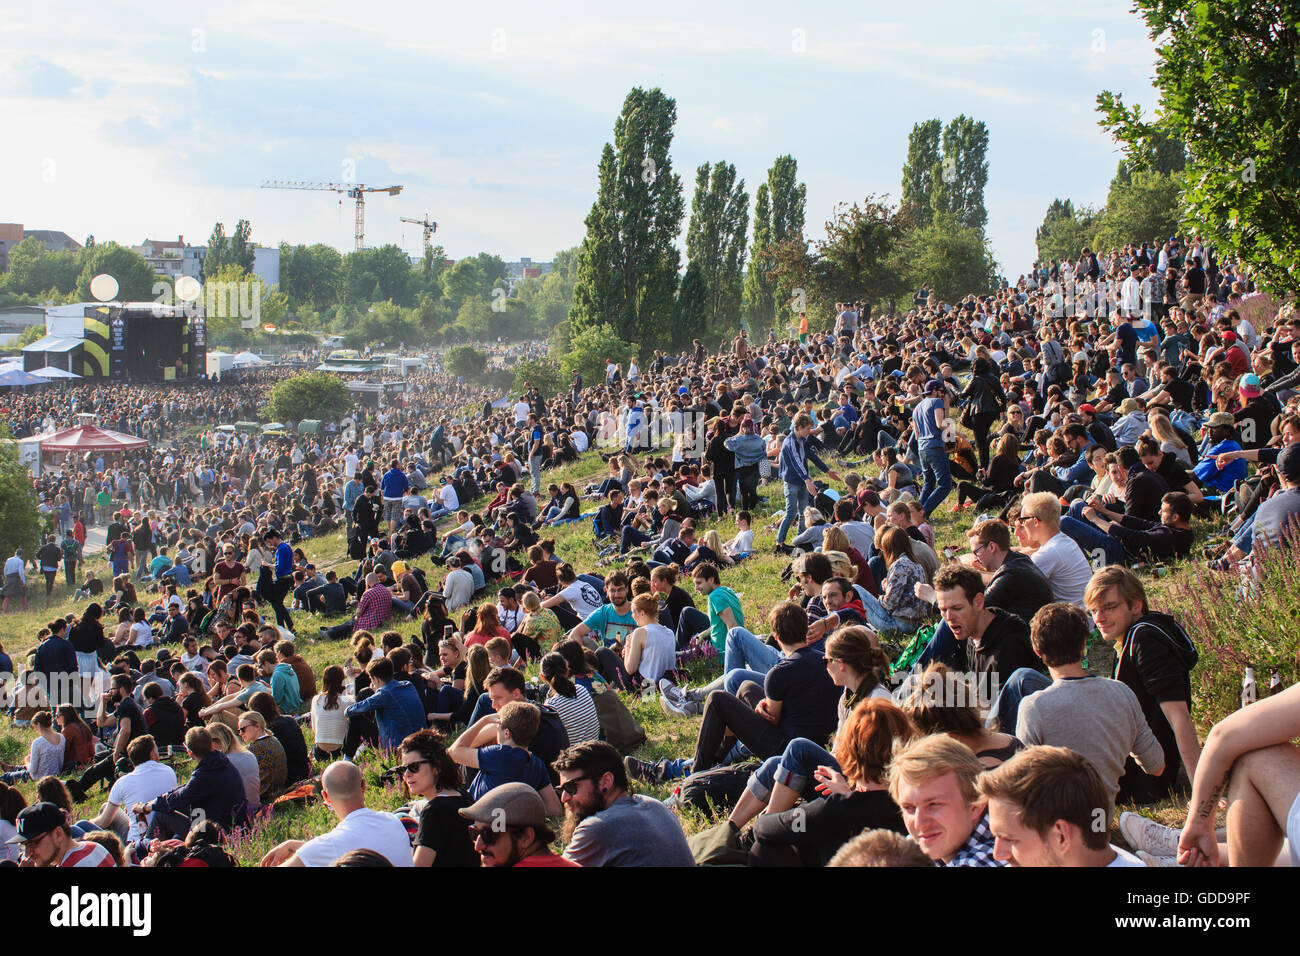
[1248, 689]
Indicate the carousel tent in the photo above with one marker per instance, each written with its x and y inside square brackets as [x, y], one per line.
[53, 371]
[246, 359]
[90, 438]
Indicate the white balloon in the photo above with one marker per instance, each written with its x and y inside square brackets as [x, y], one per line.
[103, 287]
[188, 288]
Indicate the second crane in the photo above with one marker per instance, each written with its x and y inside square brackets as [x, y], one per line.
[355, 191]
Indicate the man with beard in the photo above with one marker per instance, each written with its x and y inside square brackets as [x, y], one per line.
[510, 828]
[604, 825]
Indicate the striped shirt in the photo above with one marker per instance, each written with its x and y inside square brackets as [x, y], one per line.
[87, 854]
[578, 714]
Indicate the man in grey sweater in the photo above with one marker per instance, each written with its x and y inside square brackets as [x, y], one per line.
[1097, 717]
[605, 825]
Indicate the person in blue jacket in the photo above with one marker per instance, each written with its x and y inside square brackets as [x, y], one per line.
[395, 704]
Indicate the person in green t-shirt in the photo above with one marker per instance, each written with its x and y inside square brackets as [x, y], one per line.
[724, 606]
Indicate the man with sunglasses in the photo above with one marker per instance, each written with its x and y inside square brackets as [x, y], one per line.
[509, 828]
[607, 826]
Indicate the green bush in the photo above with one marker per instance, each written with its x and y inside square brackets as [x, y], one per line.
[543, 373]
[589, 349]
[310, 395]
[466, 361]
[20, 522]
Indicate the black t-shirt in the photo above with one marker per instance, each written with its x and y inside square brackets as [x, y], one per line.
[1003, 648]
[1143, 491]
[131, 711]
[808, 697]
[167, 722]
[1156, 662]
[444, 830]
[1018, 587]
[1174, 474]
[820, 827]
[1181, 393]
[286, 731]
[676, 602]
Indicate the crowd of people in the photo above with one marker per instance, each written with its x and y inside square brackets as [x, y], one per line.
[908, 703]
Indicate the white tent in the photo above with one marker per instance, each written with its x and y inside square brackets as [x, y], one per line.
[52, 371]
[219, 362]
[244, 359]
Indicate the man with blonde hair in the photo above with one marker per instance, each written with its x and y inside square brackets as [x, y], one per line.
[1060, 559]
[933, 781]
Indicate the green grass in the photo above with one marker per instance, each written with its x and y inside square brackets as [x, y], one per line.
[757, 581]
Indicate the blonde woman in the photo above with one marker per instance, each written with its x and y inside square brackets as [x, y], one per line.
[225, 740]
[540, 623]
[1164, 431]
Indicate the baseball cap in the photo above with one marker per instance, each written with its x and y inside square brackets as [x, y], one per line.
[511, 805]
[1288, 462]
[39, 819]
[1229, 337]
[934, 385]
[1221, 420]
[1087, 407]
[1250, 385]
[683, 390]
[1128, 406]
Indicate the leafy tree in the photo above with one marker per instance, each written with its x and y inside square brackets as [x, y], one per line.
[715, 242]
[35, 271]
[691, 314]
[218, 251]
[760, 307]
[29, 335]
[475, 319]
[240, 248]
[20, 522]
[590, 347]
[466, 361]
[948, 257]
[311, 276]
[1145, 205]
[958, 180]
[135, 280]
[473, 278]
[780, 207]
[544, 373]
[1066, 231]
[919, 168]
[379, 275]
[627, 272]
[387, 323]
[1227, 77]
[318, 395]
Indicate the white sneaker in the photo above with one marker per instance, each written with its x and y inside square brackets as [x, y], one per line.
[1150, 859]
[1143, 834]
[686, 708]
[670, 690]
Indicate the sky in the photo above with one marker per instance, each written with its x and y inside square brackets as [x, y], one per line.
[135, 120]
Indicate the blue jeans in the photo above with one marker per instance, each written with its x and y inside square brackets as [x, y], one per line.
[535, 468]
[1092, 539]
[878, 619]
[793, 768]
[482, 707]
[796, 500]
[936, 478]
[1022, 682]
[746, 658]
[630, 538]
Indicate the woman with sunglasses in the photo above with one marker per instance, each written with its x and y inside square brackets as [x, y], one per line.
[272, 765]
[434, 777]
[228, 573]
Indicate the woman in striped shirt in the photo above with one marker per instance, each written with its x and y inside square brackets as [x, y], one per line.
[572, 702]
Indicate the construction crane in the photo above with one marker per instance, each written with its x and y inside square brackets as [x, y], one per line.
[430, 227]
[355, 191]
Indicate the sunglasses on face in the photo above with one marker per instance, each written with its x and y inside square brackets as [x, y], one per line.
[572, 786]
[487, 834]
[410, 768]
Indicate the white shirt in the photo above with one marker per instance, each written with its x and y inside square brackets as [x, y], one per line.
[458, 588]
[447, 494]
[147, 782]
[362, 829]
[141, 635]
[580, 442]
[16, 565]
[582, 597]
[659, 653]
[1066, 568]
[350, 464]
[521, 410]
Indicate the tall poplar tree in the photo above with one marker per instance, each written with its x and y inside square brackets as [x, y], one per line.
[627, 269]
[778, 223]
[715, 242]
[918, 170]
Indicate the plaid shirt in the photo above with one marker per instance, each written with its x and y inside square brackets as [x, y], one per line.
[978, 848]
[374, 608]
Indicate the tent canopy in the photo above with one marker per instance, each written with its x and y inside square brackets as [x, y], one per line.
[17, 376]
[248, 358]
[51, 371]
[90, 438]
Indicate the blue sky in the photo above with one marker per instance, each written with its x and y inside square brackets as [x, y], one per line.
[143, 120]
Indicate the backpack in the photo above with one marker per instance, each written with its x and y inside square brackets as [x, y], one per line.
[716, 788]
[617, 725]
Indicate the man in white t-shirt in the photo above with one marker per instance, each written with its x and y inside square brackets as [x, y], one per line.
[521, 410]
[1047, 807]
[146, 783]
[359, 827]
[447, 495]
[1060, 559]
[350, 463]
